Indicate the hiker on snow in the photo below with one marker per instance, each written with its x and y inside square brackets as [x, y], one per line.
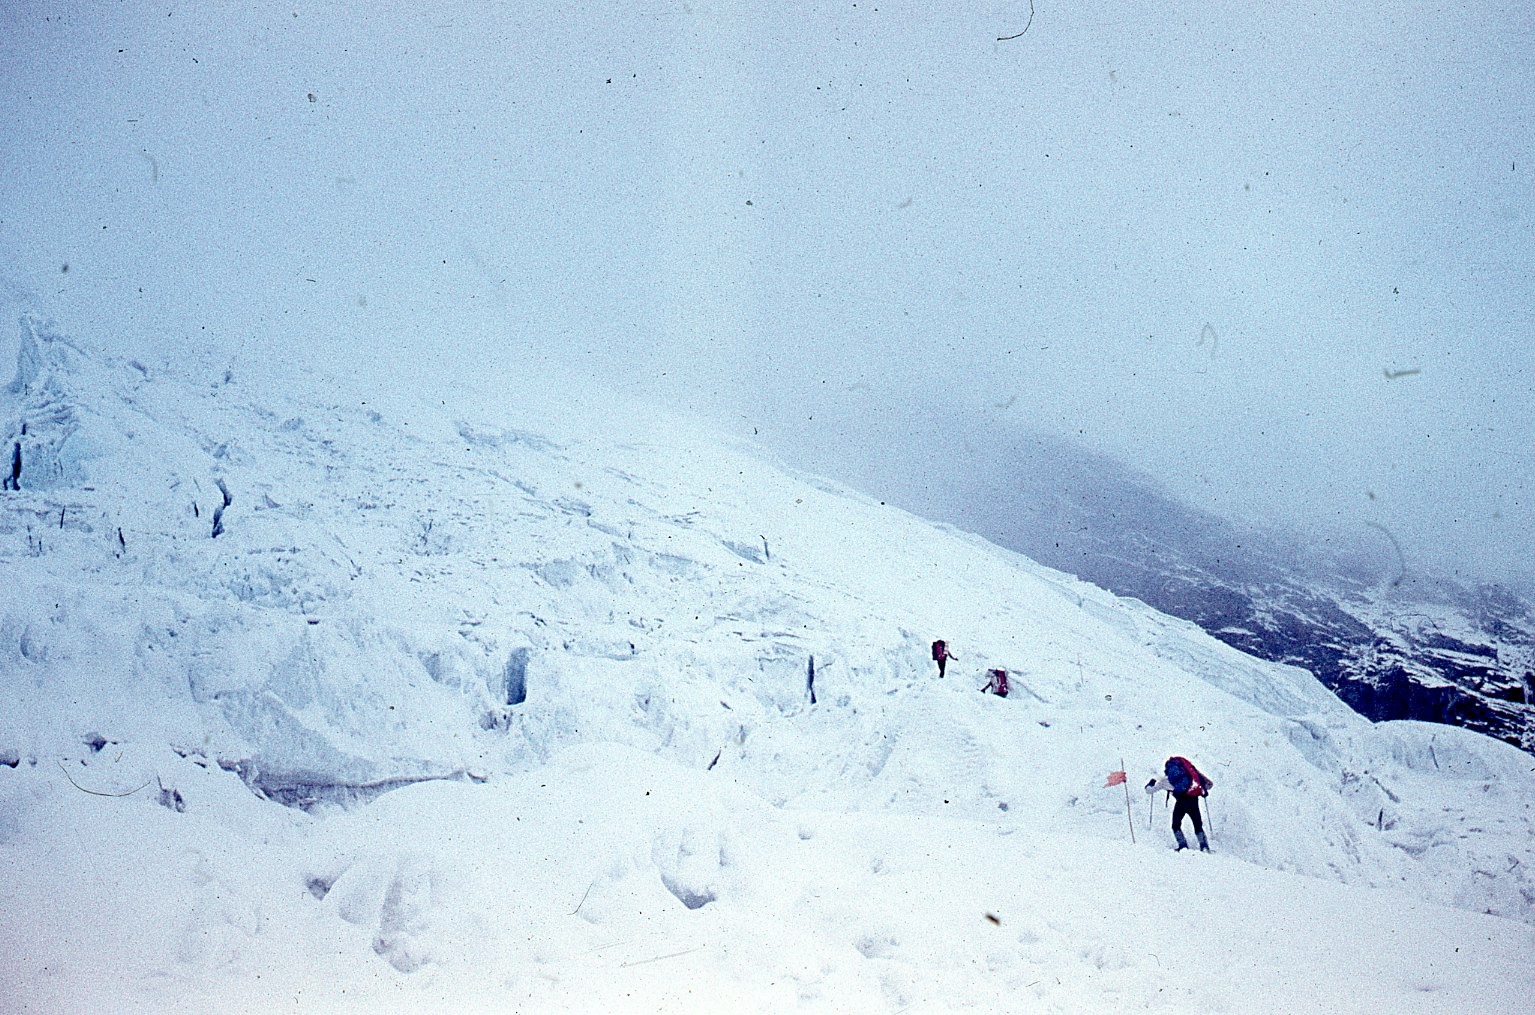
[941, 654]
[1187, 784]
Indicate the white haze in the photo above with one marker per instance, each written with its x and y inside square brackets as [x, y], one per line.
[1278, 256]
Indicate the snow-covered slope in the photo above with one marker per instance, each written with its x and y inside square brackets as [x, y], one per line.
[529, 671]
[1393, 640]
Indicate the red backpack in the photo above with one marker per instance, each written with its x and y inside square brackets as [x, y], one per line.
[998, 685]
[940, 650]
[1185, 778]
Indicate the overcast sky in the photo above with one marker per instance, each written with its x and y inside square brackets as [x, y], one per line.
[1277, 255]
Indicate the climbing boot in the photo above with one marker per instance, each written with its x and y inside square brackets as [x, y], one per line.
[1204, 844]
[1182, 842]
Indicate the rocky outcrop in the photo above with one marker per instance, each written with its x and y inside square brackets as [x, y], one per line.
[1392, 646]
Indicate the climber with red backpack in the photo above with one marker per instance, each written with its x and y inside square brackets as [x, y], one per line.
[1186, 784]
[941, 655]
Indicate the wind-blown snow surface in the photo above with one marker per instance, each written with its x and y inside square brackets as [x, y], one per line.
[664, 821]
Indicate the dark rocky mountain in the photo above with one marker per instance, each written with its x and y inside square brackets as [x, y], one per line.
[1391, 642]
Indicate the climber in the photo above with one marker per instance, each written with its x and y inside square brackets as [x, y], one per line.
[941, 654]
[1186, 784]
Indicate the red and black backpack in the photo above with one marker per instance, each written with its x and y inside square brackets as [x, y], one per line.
[1186, 780]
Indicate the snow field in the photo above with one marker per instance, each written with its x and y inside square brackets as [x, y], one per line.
[613, 880]
[664, 822]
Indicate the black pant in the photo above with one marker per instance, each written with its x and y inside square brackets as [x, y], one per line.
[941, 664]
[1187, 805]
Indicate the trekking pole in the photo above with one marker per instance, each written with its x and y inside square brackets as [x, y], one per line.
[1128, 818]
